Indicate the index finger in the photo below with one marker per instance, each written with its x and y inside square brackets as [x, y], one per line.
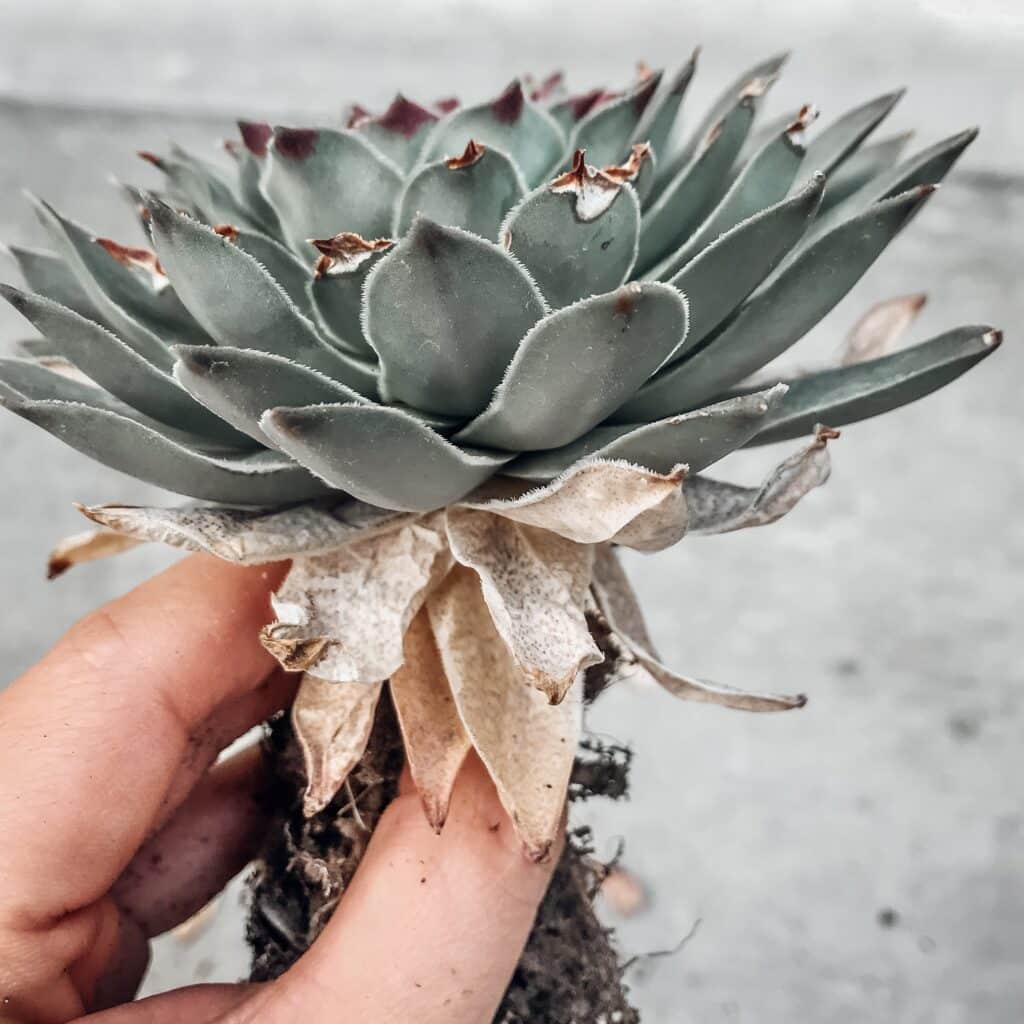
[92, 736]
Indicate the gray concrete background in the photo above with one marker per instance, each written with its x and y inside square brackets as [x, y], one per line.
[892, 596]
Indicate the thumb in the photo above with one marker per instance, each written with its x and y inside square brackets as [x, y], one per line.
[431, 927]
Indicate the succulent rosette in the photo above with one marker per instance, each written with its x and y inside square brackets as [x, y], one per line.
[447, 359]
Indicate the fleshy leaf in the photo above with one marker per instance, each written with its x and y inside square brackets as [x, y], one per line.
[780, 313]
[594, 502]
[571, 257]
[119, 368]
[533, 583]
[696, 439]
[835, 143]
[34, 381]
[879, 330]
[249, 537]
[870, 388]
[606, 132]
[88, 546]
[526, 744]
[322, 181]
[205, 187]
[594, 355]
[510, 123]
[50, 276]
[280, 263]
[445, 311]
[717, 507]
[473, 191]
[659, 119]
[342, 615]
[135, 448]
[863, 165]
[433, 735]
[241, 384]
[252, 160]
[381, 455]
[332, 722]
[400, 132]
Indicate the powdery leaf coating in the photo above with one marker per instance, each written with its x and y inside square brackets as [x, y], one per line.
[332, 723]
[534, 583]
[435, 739]
[250, 537]
[87, 546]
[717, 507]
[526, 744]
[343, 615]
[595, 502]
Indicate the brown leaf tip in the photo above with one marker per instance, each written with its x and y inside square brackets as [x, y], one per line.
[629, 170]
[228, 231]
[447, 104]
[404, 117]
[256, 136]
[644, 71]
[151, 158]
[795, 129]
[645, 91]
[57, 566]
[626, 299]
[992, 338]
[294, 655]
[357, 115]
[296, 143]
[548, 87]
[470, 155]
[142, 261]
[345, 252]
[823, 434]
[508, 107]
[756, 87]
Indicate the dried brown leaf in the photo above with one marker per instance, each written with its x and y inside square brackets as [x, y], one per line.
[436, 742]
[619, 599]
[878, 332]
[87, 546]
[527, 744]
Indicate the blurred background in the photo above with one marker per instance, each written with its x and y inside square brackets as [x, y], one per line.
[860, 860]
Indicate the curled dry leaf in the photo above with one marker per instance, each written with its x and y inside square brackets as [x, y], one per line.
[527, 744]
[345, 253]
[87, 546]
[251, 537]
[619, 599]
[332, 723]
[534, 583]
[343, 615]
[595, 189]
[717, 507]
[435, 739]
[594, 502]
[879, 330]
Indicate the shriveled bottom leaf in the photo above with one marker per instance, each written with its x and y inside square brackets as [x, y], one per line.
[87, 546]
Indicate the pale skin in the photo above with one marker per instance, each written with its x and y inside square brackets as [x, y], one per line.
[116, 824]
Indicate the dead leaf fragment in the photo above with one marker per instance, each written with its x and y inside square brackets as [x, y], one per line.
[879, 330]
[87, 546]
[618, 599]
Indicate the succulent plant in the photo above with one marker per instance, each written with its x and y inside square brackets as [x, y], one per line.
[446, 360]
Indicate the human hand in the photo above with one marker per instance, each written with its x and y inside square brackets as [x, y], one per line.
[116, 825]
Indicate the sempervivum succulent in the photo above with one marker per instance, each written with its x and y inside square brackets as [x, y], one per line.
[446, 360]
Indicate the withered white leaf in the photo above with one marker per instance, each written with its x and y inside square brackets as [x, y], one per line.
[879, 330]
[250, 537]
[618, 599]
[534, 583]
[436, 743]
[595, 501]
[527, 744]
[87, 546]
[343, 615]
[717, 507]
[332, 723]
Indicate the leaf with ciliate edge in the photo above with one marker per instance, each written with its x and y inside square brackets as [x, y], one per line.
[50, 276]
[533, 583]
[119, 368]
[832, 145]
[32, 380]
[332, 722]
[240, 384]
[594, 502]
[510, 123]
[780, 313]
[659, 119]
[248, 537]
[381, 455]
[342, 615]
[526, 744]
[473, 192]
[718, 507]
[863, 165]
[594, 354]
[400, 132]
[435, 740]
[141, 451]
[571, 258]
[322, 181]
[870, 388]
[206, 187]
[445, 311]
[280, 263]
[606, 132]
[697, 439]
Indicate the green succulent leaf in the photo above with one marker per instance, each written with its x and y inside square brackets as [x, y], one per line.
[851, 393]
[49, 275]
[831, 146]
[474, 192]
[138, 449]
[592, 355]
[380, 455]
[206, 188]
[115, 366]
[279, 262]
[252, 160]
[322, 181]
[695, 439]
[240, 384]
[511, 123]
[659, 119]
[779, 313]
[865, 163]
[28, 380]
[400, 132]
[445, 310]
[605, 133]
[569, 257]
